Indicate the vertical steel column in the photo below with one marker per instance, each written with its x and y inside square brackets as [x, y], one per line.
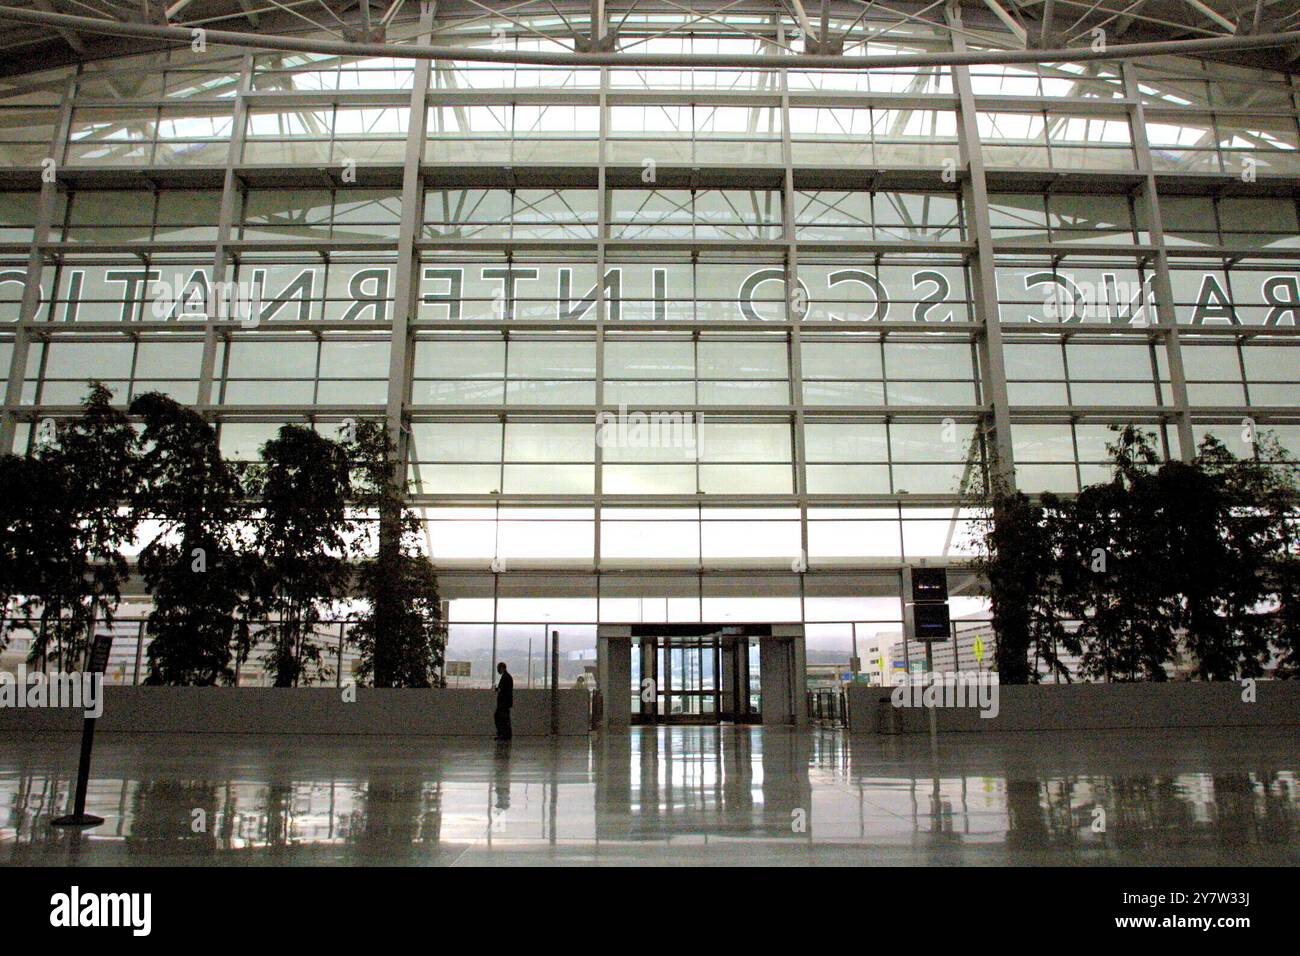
[993, 377]
[406, 300]
[31, 301]
[225, 223]
[139, 653]
[602, 311]
[796, 308]
[1167, 324]
[338, 677]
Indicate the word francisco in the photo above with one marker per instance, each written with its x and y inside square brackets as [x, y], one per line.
[949, 689]
[77, 690]
[74, 908]
[351, 291]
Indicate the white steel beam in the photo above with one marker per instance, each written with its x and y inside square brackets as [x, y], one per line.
[1008, 21]
[802, 16]
[1211, 14]
[392, 11]
[411, 51]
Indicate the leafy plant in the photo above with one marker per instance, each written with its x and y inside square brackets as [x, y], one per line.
[400, 634]
[1285, 631]
[79, 567]
[1266, 498]
[1018, 551]
[1203, 552]
[29, 531]
[300, 548]
[1217, 561]
[193, 566]
[1007, 560]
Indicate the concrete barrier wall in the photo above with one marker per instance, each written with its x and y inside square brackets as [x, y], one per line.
[310, 710]
[1088, 707]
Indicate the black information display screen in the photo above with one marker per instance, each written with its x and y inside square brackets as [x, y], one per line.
[931, 622]
[929, 584]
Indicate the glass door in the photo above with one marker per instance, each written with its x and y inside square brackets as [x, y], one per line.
[676, 680]
[689, 676]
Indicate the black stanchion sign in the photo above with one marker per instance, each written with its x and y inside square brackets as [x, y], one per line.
[99, 651]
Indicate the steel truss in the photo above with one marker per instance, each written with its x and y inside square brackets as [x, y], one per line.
[600, 33]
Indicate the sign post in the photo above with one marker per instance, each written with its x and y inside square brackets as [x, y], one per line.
[926, 608]
[99, 651]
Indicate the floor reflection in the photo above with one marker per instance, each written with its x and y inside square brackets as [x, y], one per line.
[686, 795]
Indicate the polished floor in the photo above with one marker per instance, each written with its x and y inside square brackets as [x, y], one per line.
[679, 796]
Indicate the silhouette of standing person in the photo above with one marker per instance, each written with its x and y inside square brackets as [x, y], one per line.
[505, 700]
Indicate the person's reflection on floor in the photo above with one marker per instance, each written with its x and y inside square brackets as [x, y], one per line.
[501, 777]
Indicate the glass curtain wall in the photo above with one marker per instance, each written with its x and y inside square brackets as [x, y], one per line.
[682, 345]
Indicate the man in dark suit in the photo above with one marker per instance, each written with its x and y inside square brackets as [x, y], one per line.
[505, 700]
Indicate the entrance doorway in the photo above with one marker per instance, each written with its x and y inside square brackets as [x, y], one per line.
[697, 678]
[705, 673]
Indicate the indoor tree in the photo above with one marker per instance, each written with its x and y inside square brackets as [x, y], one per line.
[1218, 539]
[30, 530]
[1114, 568]
[1017, 552]
[1204, 552]
[89, 473]
[1284, 633]
[1008, 559]
[193, 566]
[1265, 494]
[400, 633]
[301, 546]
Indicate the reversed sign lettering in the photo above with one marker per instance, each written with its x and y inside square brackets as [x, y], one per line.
[649, 292]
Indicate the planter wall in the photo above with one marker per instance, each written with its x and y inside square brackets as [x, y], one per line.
[1088, 707]
[309, 710]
